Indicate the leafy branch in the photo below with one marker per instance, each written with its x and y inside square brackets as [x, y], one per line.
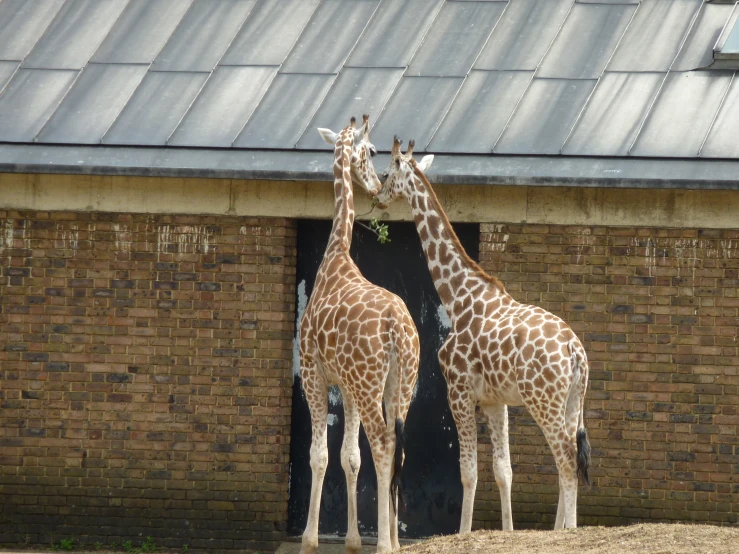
[379, 229]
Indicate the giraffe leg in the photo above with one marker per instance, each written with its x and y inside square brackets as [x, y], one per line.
[316, 393]
[559, 523]
[564, 449]
[382, 443]
[498, 424]
[350, 461]
[391, 413]
[462, 404]
[568, 487]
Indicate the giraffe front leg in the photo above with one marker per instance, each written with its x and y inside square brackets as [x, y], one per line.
[497, 416]
[351, 461]
[316, 393]
[462, 404]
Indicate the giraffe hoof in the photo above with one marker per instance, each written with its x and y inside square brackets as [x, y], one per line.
[308, 546]
[353, 545]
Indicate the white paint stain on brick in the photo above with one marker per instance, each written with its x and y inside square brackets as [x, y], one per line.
[122, 237]
[67, 239]
[498, 239]
[188, 239]
[302, 303]
[581, 239]
[7, 234]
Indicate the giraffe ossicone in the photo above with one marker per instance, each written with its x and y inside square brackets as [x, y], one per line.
[498, 353]
[362, 338]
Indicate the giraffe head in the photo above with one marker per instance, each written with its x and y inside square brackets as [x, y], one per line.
[361, 153]
[398, 178]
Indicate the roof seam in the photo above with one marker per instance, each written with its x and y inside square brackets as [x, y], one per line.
[102, 40]
[133, 92]
[664, 80]
[63, 97]
[210, 73]
[461, 85]
[715, 116]
[533, 76]
[341, 66]
[410, 61]
[603, 71]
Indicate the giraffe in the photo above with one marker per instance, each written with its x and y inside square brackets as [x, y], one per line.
[499, 353]
[362, 338]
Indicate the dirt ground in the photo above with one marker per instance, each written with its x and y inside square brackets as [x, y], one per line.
[649, 538]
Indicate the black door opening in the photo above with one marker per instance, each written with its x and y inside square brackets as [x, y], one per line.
[432, 487]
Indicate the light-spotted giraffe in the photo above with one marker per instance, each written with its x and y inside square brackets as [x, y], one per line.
[498, 353]
[362, 338]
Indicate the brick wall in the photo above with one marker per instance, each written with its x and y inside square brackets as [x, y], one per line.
[145, 379]
[658, 312]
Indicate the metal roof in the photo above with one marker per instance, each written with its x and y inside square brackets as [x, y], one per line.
[557, 81]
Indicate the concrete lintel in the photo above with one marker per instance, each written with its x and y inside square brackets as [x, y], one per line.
[314, 199]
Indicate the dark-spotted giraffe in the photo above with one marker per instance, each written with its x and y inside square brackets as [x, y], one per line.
[498, 353]
[362, 338]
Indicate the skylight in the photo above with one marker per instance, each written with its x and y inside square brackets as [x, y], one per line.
[726, 50]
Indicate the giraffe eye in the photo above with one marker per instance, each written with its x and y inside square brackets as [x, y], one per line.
[373, 152]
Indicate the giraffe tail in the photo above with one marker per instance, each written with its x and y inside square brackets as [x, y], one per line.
[579, 386]
[396, 480]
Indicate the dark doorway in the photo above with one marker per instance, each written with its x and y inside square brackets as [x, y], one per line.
[432, 486]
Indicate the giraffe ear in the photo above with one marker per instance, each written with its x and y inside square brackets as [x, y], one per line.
[425, 162]
[328, 135]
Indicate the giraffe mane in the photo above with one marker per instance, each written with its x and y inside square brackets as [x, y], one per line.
[455, 240]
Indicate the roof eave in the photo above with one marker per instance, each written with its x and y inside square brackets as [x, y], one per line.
[468, 169]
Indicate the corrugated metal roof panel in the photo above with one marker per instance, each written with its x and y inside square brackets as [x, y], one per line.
[455, 38]
[614, 114]
[22, 23]
[93, 104]
[654, 36]
[586, 42]
[74, 34]
[285, 111]
[523, 34]
[698, 48]
[545, 116]
[156, 108]
[681, 118]
[480, 111]
[419, 118]
[270, 32]
[722, 140]
[223, 107]
[141, 31]
[329, 37]
[395, 32]
[203, 35]
[355, 92]
[28, 101]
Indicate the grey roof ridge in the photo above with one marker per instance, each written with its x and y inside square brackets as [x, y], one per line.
[294, 165]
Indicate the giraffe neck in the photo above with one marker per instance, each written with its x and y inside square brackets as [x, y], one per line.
[454, 273]
[341, 232]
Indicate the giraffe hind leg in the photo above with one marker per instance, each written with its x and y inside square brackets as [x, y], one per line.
[351, 461]
[497, 416]
[316, 393]
[382, 443]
